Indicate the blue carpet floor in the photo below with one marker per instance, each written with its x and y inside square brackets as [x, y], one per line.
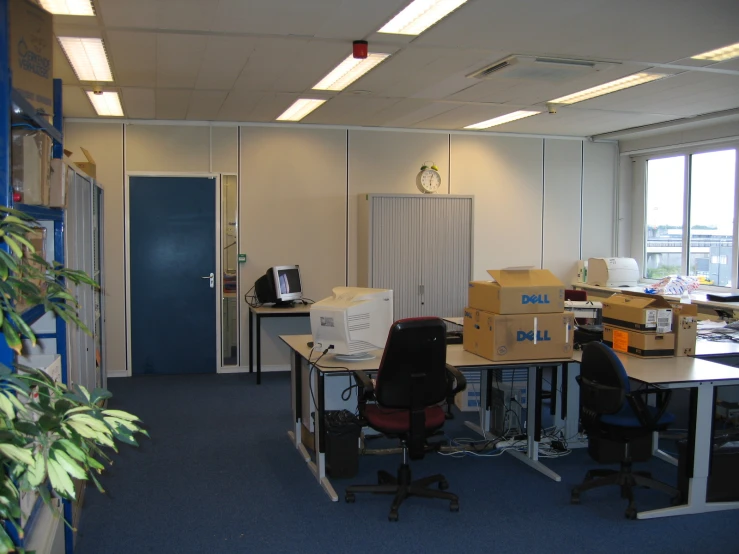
[220, 475]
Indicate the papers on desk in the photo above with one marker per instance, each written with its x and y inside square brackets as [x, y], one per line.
[707, 326]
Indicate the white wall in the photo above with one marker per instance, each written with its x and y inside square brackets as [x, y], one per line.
[538, 202]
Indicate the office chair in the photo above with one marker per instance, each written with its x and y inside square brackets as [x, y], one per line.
[411, 383]
[576, 295]
[619, 424]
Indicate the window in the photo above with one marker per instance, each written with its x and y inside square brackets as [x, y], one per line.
[690, 216]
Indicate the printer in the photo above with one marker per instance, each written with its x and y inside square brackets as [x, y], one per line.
[613, 272]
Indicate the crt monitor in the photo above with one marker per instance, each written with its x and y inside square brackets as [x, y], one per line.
[352, 322]
[280, 286]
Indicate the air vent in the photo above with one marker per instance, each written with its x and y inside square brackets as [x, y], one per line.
[539, 69]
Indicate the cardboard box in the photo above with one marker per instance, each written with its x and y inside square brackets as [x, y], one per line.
[37, 238]
[87, 167]
[58, 184]
[31, 48]
[685, 327]
[645, 313]
[504, 337]
[31, 165]
[468, 400]
[642, 345]
[518, 291]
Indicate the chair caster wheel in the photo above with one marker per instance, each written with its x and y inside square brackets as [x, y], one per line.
[393, 516]
[349, 498]
[443, 485]
[575, 497]
[630, 513]
[454, 506]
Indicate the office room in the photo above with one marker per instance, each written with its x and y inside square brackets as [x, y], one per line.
[225, 146]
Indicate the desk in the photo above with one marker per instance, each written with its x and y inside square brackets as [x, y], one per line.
[456, 356]
[299, 310]
[701, 377]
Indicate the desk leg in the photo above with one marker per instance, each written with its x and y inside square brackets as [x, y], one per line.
[531, 456]
[483, 411]
[296, 399]
[251, 343]
[320, 435]
[698, 484]
[259, 349]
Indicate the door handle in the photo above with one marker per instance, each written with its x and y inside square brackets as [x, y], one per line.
[211, 279]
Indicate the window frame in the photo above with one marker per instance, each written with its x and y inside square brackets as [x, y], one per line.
[640, 182]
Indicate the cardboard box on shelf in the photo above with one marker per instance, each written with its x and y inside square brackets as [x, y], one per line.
[685, 327]
[503, 337]
[642, 345]
[518, 291]
[37, 238]
[31, 46]
[89, 166]
[58, 184]
[645, 313]
[30, 165]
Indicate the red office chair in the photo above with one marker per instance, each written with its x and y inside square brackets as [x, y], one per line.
[576, 295]
[413, 379]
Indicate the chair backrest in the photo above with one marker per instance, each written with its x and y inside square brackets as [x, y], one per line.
[414, 361]
[576, 295]
[604, 383]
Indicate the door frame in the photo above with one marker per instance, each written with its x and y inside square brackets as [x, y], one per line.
[216, 246]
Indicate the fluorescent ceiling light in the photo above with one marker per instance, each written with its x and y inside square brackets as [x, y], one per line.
[420, 15]
[502, 119]
[68, 7]
[300, 109]
[106, 103]
[607, 88]
[720, 54]
[88, 58]
[349, 71]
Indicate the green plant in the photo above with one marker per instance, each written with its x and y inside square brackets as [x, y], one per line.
[50, 434]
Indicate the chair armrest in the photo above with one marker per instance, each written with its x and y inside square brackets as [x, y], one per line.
[638, 401]
[363, 380]
[459, 379]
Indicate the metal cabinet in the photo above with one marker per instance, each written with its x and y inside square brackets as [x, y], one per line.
[83, 244]
[420, 246]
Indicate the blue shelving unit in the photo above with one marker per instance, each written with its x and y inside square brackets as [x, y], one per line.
[14, 109]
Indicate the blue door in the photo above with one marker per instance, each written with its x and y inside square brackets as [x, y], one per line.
[172, 247]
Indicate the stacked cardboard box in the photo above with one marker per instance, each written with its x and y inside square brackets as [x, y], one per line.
[639, 325]
[518, 315]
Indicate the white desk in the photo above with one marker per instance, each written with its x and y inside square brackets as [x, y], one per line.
[701, 377]
[456, 356]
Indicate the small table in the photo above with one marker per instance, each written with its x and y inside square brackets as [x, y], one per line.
[456, 356]
[298, 310]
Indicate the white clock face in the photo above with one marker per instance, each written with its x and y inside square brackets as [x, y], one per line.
[429, 180]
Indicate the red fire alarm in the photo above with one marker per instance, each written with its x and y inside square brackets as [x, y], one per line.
[359, 49]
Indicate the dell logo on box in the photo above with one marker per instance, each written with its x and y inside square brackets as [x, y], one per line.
[534, 299]
[529, 335]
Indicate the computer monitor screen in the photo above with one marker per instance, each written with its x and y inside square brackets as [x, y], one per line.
[280, 286]
[352, 322]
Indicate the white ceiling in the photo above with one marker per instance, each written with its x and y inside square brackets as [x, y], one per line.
[248, 60]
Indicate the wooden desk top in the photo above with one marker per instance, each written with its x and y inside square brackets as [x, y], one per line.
[272, 311]
[679, 369]
[455, 355]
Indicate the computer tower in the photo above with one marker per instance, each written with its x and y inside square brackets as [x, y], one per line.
[509, 402]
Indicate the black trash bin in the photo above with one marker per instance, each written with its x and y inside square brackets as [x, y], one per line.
[342, 443]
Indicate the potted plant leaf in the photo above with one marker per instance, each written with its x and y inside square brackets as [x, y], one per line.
[50, 434]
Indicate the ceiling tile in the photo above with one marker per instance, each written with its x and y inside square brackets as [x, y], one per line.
[139, 103]
[172, 104]
[205, 104]
[131, 13]
[179, 58]
[76, 102]
[239, 104]
[133, 56]
[223, 61]
[350, 110]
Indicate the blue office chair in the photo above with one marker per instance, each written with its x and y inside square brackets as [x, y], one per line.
[412, 381]
[619, 424]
